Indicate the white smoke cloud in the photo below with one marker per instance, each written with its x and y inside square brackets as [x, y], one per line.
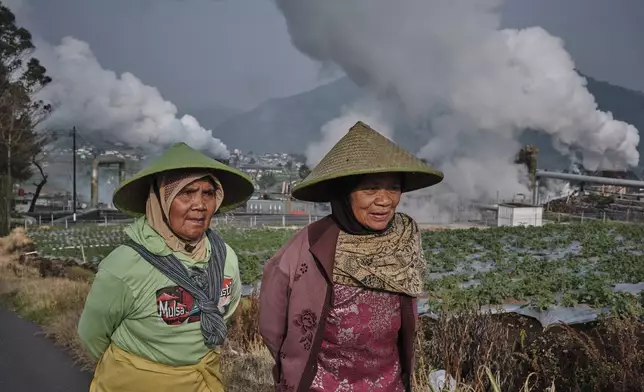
[114, 108]
[365, 110]
[474, 86]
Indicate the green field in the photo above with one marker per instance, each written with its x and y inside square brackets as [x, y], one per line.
[564, 265]
[252, 246]
[557, 264]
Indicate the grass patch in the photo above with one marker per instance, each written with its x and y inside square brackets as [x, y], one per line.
[482, 352]
[53, 303]
[56, 303]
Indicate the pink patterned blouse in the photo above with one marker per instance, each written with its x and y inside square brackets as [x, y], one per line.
[360, 347]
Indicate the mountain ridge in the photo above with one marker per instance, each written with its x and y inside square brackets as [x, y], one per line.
[290, 124]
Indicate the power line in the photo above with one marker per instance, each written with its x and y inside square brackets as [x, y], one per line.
[74, 171]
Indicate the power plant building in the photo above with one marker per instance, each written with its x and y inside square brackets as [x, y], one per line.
[519, 214]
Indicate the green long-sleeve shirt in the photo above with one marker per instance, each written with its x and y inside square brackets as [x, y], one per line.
[134, 306]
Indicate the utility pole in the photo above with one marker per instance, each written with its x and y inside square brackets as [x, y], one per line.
[74, 172]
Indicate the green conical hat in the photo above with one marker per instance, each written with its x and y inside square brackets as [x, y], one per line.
[131, 196]
[364, 151]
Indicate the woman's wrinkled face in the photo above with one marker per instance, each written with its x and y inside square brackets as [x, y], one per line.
[375, 199]
[192, 209]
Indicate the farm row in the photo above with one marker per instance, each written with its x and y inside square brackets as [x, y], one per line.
[595, 264]
[91, 243]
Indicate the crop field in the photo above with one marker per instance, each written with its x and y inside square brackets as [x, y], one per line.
[92, 243]
[593, 265]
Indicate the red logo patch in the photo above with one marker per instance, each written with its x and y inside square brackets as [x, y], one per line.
[226, 287]
[175, 305]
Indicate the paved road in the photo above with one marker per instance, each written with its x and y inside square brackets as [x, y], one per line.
[29, 362]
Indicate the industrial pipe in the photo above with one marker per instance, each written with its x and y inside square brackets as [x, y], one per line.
[104, 161]
[590, 179]
[535, 191]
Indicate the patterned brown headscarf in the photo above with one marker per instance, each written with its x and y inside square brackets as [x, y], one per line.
[392, 260]
[158, 209]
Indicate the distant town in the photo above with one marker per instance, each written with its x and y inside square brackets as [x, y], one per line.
[47, 196]
[99, 173]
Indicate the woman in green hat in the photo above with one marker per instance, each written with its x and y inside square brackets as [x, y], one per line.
[338, 308]
[155, 317]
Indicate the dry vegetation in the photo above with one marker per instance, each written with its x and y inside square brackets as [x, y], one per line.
[56, 302]
[482, 352]
[606, 356]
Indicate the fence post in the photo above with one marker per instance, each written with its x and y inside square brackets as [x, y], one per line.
[283, 220]
[66, 226]
[52, 219]
[582, 217]
[39, 220]
[83, 253]
[604, 216]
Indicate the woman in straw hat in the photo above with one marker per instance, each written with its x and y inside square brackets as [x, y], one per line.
[156, 314]
[338, 309]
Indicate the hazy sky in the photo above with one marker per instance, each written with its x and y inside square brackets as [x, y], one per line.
[603, 36]
[237, 52]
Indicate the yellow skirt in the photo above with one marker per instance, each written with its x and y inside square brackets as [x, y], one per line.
[120, 371]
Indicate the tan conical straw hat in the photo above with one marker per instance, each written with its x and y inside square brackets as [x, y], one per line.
[364, 151]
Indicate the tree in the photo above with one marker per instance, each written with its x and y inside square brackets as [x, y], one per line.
[528, 156]
[21, 77]
[39, 185]
[304, 171]
[266, 181]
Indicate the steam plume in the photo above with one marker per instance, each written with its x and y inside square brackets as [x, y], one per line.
[106, 107]
[118, 109]
[473, 86]
[334, 130]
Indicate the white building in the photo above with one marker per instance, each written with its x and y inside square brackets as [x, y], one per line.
[282, 207]
[519, 214]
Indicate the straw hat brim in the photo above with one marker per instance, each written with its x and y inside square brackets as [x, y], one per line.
[322, 190]
[131, 196]
[364, 151]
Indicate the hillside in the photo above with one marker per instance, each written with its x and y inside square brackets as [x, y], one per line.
[290, 124]
[287, 124]
[212, 116]
[625, 104]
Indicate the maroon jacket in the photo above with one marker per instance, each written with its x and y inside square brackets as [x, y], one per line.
[297, 294]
